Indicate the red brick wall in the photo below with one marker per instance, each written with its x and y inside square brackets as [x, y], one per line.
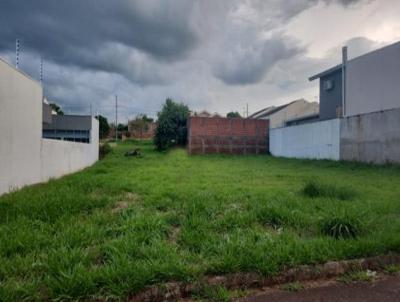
[227, 135]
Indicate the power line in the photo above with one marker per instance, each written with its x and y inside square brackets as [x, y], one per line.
[17, 46]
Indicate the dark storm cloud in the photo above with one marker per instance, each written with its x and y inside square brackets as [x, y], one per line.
[201, 51]
[247, 64]
[98, 34]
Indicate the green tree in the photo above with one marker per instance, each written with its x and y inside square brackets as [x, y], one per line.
[172, 128]
[140, 124]
[104, 127]
[56, 108]
[122, 127]
[233, 114]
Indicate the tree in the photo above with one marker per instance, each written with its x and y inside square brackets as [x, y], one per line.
[171, 129]
[104, 127]
[122, 127]
[233, 114]
[56, 108]
[140, 124]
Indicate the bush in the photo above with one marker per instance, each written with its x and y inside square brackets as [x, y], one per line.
[104, 149]
[172, 128]
[315, 189]
[341, 227]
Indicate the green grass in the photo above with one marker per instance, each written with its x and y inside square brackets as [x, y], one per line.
[127, 223]
[293, 287]
[358, 276]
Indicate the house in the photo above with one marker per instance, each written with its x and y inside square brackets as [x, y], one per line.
[365, 84]
[278, 116]
[205, 113]
[73, 128]
[359, 114]
[330, 92]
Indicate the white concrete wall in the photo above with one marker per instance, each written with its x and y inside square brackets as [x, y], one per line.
[20, 128]
[319, 140]
[26, 158]
[373, 81]
[62, 157]
[372, 138]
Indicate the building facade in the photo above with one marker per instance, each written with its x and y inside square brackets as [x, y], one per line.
[280, 115]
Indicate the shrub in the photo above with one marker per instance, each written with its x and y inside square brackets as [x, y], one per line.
[171, 129]
[341, 227]
[270, 216]
[104, 149]
[315, 189]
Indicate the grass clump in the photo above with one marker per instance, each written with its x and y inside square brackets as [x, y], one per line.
[217, 294]
[392, 269]
[341, 227]
[292, 287]
[358, 276]
[104, 149]
[316, 189]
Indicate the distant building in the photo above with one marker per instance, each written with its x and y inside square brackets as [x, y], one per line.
[205, 113]
[278, 116]
[73, 128]
[146, 132]
[330, 93]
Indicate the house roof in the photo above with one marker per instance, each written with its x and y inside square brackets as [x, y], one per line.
[271, 110]
[326, 72]
[69, 122]
[303, 118]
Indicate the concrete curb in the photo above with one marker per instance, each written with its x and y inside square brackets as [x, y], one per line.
[173, 291]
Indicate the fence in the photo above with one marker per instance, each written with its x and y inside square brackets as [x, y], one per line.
[26, 158]
[318, 140]
[373, 137]
[227, 135]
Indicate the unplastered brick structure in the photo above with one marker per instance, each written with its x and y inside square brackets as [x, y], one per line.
[227, 135]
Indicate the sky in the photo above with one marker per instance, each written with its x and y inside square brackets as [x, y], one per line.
[212, 55]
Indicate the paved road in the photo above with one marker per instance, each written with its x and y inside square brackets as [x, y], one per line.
[383, 290]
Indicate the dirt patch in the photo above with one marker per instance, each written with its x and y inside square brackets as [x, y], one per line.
[119, 206]
[385, 288]
[174, 234]
[126, 201]
[178, 290]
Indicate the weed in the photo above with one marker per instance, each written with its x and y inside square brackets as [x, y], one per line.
[292, 287]
[341, 227]
[316, 189]
[213, 293]
[392, 269]
[357, 276]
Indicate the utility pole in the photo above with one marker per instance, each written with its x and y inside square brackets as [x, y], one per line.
[17, 53]
[247, 110]
[116, 118]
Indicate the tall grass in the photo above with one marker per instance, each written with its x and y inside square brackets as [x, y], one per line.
[185, 217]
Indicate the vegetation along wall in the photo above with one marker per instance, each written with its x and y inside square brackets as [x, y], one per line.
[227, 135]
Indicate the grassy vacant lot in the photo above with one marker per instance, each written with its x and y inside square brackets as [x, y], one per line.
[126, 223]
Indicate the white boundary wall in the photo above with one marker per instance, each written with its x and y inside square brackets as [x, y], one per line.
[319, 140]
[26, 158]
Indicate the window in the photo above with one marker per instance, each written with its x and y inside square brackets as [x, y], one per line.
[329, 85]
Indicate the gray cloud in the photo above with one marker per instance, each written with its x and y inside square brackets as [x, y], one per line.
[247, 64]
[99, 34]
[204, 52]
